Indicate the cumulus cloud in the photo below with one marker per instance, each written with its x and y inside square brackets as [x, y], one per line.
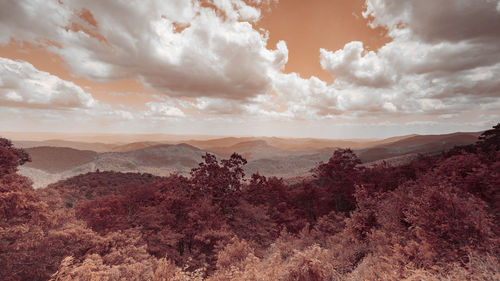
[181, 48]
[21, 20]
[22, 85]
[209, 59]
[350, 65]
[39, 93]
[301, 98]
[442, 59]
[438, 21]
[163, 109]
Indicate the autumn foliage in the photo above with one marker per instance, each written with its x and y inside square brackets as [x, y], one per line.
[435, 218]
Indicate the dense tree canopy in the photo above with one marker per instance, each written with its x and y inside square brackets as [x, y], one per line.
[11, 157]
[434, 218]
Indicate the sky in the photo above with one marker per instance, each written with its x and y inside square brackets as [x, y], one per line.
[290, 68]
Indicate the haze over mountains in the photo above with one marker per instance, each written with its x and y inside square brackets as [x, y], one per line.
[162, 155]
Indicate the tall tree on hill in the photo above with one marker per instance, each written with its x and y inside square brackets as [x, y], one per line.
[11, 157]
[221, 181]
[490, 139]
[339, 177]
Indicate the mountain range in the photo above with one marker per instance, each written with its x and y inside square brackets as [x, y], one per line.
[53, 160]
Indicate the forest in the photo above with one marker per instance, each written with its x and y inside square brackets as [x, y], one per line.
[435, 218]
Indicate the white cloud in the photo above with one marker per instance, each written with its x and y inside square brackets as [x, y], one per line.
[22, 20]
[122, 114]
[39, 93]
[442, 59]
[13, 96]
[211, 57]
[237, 9]
[164, 109]
[22, 85]
[438, 21]
[350, 65]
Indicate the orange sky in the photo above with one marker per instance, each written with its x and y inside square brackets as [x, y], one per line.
[307, 26]
[102, 91]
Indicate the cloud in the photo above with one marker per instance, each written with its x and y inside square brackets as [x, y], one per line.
[118, 114]
[163, 109]
[211, 62]
[22, 85]
[443, 59]
[438, 21]
[301, 98]
[210, 56]
[350, 65]
[39, 93]
[21, 20]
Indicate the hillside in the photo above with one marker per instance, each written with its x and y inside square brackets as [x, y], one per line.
[180, 157]
[58, 159]
[219, 142]
[291, 144]
[51, 164]
[286, 166]
[254, 149]
[424, 144]
[80, 145]
[134, 146]
[62, 163]
[344, 221]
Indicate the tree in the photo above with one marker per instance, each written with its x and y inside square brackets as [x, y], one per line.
[490, 139]
[222, 182]
[23, 219]
[11, 157]
[339, 177]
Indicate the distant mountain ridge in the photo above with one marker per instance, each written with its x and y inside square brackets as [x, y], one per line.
[159, 160]
[58, 159]
[253, 149]
[288, 144]
[286, 158]
[93, 146]
[417, 144]
[134, 146]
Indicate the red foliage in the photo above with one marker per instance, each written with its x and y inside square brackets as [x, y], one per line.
[222, 182]
[339, 177]
[23, 220]
[11, 157]
[429, 219]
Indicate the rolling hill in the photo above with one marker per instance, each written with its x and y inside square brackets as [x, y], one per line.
[51, 164]
[291, 144]
[93, 146]
[134, 146]
[424, 144]
[279, 157]
[254, 149]
[58, 159]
